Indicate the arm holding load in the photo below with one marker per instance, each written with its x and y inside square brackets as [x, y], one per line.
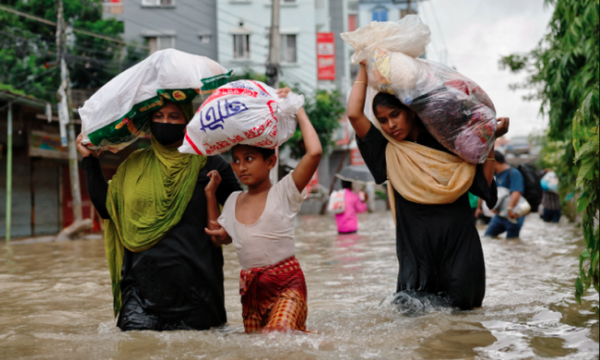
[310, 161]
[96, 183]
[356, 104]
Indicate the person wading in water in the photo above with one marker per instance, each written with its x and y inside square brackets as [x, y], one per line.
[437, 244]
[166, 273]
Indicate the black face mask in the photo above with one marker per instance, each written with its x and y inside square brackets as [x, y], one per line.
[167, 134]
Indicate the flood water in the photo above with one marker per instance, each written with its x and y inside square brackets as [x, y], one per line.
[56, 303]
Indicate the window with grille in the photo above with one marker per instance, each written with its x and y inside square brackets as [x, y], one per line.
[204, 39]
[160, 43]
[288, 49]
[241, 46]
[380, 14]
[158, 2]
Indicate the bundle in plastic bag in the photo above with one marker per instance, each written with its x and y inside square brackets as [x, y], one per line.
[453, 108]
[242, 112]
[117, 114]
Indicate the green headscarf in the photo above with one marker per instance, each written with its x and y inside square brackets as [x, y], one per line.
[146, 198]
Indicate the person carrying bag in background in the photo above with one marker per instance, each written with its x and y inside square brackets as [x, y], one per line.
[508, 219]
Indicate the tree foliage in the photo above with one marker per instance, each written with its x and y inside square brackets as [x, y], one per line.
[563, 71]
[324, 110]
[28, 47]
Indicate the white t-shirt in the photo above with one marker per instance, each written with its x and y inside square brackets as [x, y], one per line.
[270, 239]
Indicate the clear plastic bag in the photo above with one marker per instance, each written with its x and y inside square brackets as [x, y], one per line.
[453, 108]
[242, 112]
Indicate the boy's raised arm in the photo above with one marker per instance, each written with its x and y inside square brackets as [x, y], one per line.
[310, 161]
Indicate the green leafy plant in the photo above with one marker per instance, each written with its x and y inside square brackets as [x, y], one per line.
[324, 110]
[563, 72]
[28, 47]
[586, 145]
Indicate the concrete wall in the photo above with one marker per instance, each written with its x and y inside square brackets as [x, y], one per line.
[186, 20]
[253, 17]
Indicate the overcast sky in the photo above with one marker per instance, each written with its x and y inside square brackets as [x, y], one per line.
[475, 35]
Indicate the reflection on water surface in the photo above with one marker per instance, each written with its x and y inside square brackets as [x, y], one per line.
[55, 303]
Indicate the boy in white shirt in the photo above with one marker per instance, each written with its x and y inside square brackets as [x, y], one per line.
[260, 223]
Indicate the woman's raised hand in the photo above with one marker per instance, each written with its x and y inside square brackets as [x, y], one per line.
[283, 92]
[213, 184]
[502, 127]
[84, 150]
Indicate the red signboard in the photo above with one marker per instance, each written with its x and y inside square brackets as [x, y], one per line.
[351, 22]
[325, 56]
[356, 158]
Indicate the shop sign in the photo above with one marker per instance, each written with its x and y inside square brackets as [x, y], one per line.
[46, 145]
[356, 158]
[325, 56]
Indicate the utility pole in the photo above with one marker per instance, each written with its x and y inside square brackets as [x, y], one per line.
[9, 156]
[273, 65]
[274, 46]
[65, 111]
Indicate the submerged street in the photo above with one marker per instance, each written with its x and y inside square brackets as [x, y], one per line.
[56, 303]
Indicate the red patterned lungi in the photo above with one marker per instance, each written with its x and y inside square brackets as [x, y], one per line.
[274, 297]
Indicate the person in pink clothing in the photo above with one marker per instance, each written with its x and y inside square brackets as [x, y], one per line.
[347, 222]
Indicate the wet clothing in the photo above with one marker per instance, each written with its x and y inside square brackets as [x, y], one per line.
[177, 284]
[274, 297]
[347, 222]
[551, 205]
[271, 238]
[146, 198]
[550, 198]
[550, 201]
[517, 183]
[498, 224]
[438, 247]
[552, 216]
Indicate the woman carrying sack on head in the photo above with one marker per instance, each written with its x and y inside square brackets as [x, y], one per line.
[437, 244]
[166, 273]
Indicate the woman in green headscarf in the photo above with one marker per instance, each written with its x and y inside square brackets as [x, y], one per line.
[166, 274]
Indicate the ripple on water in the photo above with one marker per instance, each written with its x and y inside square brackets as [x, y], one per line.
[56, 303]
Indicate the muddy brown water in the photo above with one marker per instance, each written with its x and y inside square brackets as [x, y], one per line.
[55, 303]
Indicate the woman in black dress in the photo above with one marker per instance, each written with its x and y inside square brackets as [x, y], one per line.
[437, 244]
[176, 281]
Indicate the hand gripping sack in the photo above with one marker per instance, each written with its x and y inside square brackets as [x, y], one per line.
[453, 108]
[337, 202]
[242, 112]
[117, 114]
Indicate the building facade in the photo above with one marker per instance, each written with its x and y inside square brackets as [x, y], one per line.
[41, 188]
[244, 28]
[384, 10]
[186, 25]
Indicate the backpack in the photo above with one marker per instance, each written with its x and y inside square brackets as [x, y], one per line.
[337, 202]
[533, 188]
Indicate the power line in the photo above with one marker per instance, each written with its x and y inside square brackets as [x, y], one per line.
[23, 83]
[84, 32]
[190, 22]
[262, 26]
